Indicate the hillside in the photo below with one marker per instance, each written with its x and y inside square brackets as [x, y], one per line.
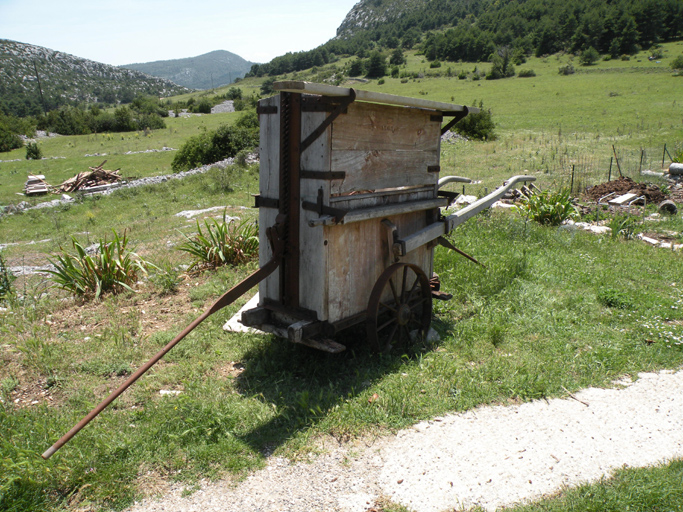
[463, 30]
[206, 71]
[67, 79]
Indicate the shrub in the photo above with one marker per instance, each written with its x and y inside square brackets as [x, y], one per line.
[6, 280]
[677, 64]
[33, 152]
[525, 73]
[380, 81]
[589, 57]
[203, 107]
[567, 70]
[113, 269]
[8, 139]
[222, 243]
[548, 208]
[477, 126]
[435, 64]
[213, 146]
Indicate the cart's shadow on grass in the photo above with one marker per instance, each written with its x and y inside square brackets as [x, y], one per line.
[307, 387]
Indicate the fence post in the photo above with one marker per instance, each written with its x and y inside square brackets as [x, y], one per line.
[609, 174]
[663, 155]
[640, 166]
[571, 187]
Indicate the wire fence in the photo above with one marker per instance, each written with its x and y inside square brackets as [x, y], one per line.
[582, 171]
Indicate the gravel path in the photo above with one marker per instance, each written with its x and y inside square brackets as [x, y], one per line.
[489, 456]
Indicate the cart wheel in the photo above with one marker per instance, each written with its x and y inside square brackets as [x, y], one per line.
[400, 304]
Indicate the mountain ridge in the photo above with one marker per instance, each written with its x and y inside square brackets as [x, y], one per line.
[206, 71]
[35, 78]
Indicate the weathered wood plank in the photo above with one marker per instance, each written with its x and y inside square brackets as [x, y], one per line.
[372, 170]
[269, 185]
[361, 95]
[313, 249]
[371, 127]
[357, 255]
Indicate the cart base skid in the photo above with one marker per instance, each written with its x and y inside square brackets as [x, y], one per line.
[304, 332]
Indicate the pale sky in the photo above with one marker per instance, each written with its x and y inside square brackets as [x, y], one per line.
[126, 31]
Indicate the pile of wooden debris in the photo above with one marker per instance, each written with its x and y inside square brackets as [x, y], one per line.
[36, 185]
[95, 177]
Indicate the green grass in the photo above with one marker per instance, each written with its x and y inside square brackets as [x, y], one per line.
[650, 489]
[554, 309]
[526, 327]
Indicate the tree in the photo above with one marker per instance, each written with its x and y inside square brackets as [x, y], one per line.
[33, 152]
[397, 58]
[589, 57]
[377, 66]
[357, 68]
[501, 64]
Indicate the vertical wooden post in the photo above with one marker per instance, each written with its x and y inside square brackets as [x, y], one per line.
[290, 192]
[640, 165]
[663, 154]
[609, 174]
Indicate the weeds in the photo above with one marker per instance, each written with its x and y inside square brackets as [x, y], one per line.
[113, 269]
[548, 208]
[221, 243]
[166, 278]
[623, 226]
[6, 280]
[611, 298]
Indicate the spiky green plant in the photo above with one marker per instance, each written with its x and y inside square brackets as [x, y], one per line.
[548, 207]
[114, 268]
[223, 242]
[6, 279]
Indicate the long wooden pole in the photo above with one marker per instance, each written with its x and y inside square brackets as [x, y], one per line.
[228, 298]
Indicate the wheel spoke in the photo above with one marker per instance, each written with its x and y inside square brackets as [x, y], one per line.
[393, 320]
[388, 307]
[391, 336]
[403, 284]
[393, 290]
[412, 290]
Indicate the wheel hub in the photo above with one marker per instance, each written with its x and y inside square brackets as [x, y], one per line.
[404, 314]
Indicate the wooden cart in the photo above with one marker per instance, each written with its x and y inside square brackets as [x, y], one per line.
[349, 218]
[353, 176]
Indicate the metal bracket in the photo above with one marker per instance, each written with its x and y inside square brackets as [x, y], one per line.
[451, 196]
[322, 175]
[266, 202]
[457, 116]
[434, 168]
[323, 209]
[319, 103]
[266, 109]
[328, 120]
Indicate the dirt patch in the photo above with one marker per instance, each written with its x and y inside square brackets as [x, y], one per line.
[626, 185]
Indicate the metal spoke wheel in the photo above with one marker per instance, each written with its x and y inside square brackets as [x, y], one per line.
[400, 307]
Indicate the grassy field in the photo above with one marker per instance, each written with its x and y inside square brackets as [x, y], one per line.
[537, 320]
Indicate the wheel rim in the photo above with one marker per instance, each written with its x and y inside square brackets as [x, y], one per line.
[400, 304]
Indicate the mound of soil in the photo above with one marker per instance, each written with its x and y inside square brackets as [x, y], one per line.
[626, 185]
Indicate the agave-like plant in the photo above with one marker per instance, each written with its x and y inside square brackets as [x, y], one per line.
[547, 207]
[220, 243]
[114, 268]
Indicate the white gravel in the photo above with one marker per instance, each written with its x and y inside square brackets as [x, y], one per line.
[490, 456]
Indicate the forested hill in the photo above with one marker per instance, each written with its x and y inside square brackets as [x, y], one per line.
[207, 71]
[34, 79]
[472, 30]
